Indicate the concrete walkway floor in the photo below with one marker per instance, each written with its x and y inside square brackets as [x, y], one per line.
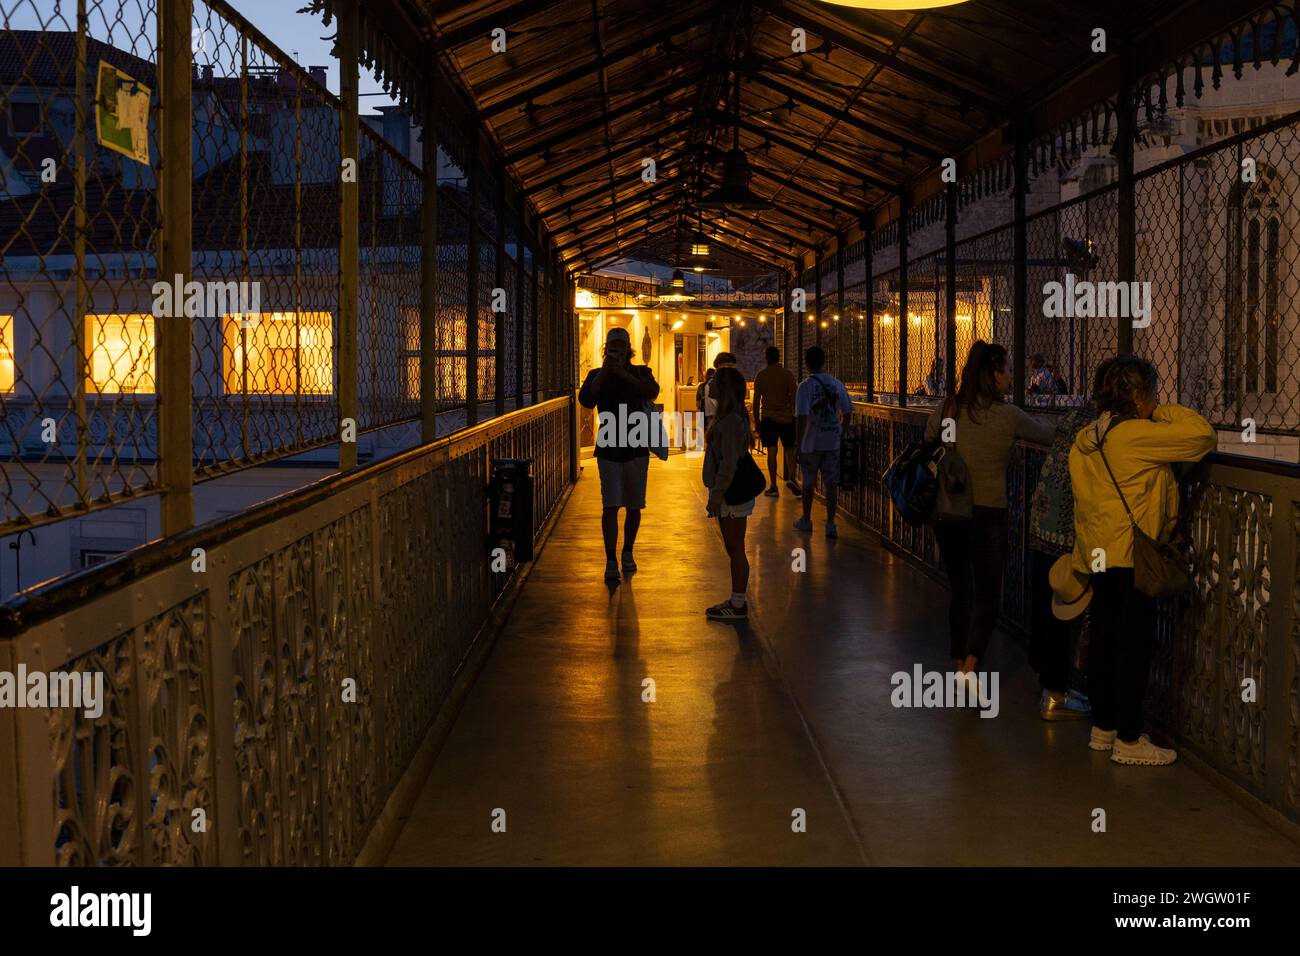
[752, 728]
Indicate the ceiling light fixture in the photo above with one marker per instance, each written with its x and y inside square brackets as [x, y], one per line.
[894, 4]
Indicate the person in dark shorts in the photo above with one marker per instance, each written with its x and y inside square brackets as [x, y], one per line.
[619, 390]
[774, 391]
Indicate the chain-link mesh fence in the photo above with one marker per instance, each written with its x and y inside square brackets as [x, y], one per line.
[82, 308]
[78, 239]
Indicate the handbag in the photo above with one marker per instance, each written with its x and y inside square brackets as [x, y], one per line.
[1159, 568]
[658, 436]
[913, 481]
[748, 482]
[954, 500]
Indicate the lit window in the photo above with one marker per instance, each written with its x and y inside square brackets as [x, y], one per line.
[411, 351]
[120, 350]
[6, 353]
[288, 353]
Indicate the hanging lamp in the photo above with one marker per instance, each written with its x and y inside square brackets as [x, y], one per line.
[734, 193]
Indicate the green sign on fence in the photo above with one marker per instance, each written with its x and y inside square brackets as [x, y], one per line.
[122, 113]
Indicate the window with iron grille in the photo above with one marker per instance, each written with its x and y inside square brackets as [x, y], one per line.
[1253, 250]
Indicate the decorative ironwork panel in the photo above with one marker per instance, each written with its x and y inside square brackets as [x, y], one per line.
[297, 687]
[256, 714]
[98, 793]
[1241, 723]
[173, 676]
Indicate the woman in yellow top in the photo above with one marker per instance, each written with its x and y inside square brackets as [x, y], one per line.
[1140, 439]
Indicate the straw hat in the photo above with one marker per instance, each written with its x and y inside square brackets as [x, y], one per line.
[1071, 591]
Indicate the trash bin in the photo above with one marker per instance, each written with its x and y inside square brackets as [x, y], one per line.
[510, 516]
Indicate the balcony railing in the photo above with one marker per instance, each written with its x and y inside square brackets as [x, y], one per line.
[266, 678]
[1241, 623]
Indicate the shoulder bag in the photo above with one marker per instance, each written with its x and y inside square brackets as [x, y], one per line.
[1159, 568]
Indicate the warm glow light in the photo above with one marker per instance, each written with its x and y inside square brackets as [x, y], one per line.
[825, 324]
[740, 322]
[762, 318]
[913, 318]
[677, 325]
[894, 4]
[861, 316]
[119, 350]
[585, 300]
[6, 353]
[886, 319]
[963, 318]
[287, 354]
[699, 268]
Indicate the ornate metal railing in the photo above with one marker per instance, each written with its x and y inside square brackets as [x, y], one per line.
[267, 678]
[1238, 631]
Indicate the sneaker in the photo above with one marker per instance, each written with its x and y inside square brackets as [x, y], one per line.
[726, 611]
[611, 570]
[629, 565]
[1072, 706]
[772, 492]
[831, 532]
[802, 524]
[1142, 752]
[1101, 739]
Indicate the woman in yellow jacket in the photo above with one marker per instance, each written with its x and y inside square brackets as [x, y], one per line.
[1140, 439]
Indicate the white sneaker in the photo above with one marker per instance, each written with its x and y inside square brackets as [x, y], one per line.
[1102, 739]
[1142, 752]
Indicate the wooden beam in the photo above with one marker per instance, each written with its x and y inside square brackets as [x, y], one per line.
[481, 27]
[617, 55]
[567, 134]
[834, 111]
[993, 102]
[844, 169]
[611, 156]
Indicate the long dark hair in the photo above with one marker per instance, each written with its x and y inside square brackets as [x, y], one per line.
[728, 388]
[978, 388]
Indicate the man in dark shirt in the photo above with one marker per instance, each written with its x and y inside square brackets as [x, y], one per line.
[621, 392]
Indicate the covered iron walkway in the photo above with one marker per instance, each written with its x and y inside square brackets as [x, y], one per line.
[793, 712]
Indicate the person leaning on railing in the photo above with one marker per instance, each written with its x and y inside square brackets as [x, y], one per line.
[1051, 538]
[1139, 439]
[974, 552]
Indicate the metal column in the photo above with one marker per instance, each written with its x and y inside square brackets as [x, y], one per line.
[950, 290]
[904, 320]
[1020, 254]
[349, 237]
[1126, 107]
[429, 273]
[174, 337]
[471, 288]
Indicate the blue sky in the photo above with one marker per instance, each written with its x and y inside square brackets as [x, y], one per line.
[299, 35]
[117, 21]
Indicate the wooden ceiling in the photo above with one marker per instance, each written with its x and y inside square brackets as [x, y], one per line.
[588, 89]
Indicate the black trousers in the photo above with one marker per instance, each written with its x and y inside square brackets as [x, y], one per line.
[1119, 656]
[974, 555]
[1049, 637]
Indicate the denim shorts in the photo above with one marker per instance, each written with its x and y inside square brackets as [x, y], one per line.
[622, 483]
[825, 462]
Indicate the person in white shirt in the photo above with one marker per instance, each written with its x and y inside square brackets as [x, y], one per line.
[821, 406]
